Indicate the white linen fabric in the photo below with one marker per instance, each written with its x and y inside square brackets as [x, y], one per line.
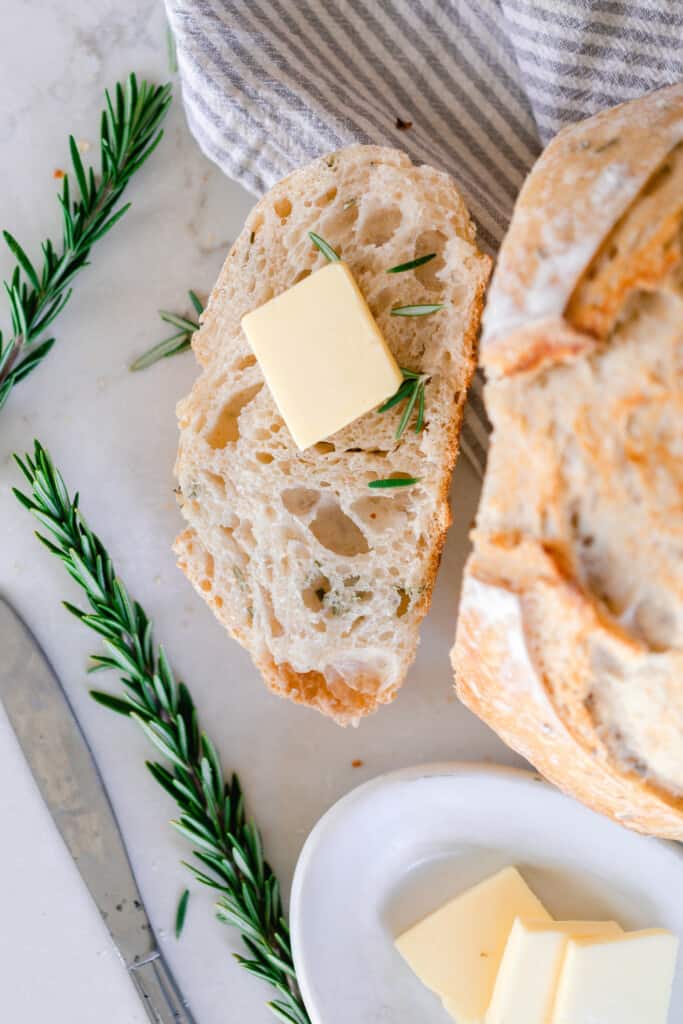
[476, 87]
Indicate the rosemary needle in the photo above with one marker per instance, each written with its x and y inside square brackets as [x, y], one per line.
[171, 50]
[181, 913]
[394, 481]
[326, 249]
[419, 310]
[412, 265]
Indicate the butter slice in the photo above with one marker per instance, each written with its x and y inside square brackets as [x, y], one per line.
[524, 992]
[625, 981]
[457, 950]
[322, 354]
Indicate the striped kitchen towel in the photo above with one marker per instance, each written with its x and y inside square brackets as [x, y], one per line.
[475, 87]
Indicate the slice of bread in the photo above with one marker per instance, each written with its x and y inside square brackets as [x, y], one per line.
[570, 631]
[324, 580]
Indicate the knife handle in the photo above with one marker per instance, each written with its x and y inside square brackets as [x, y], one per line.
[158, 992]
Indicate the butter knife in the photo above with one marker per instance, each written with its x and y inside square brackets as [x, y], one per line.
[70, 784]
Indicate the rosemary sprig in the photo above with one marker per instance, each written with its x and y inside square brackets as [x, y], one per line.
[226, 845]
[178, 342]
[411, 391]
[326, 249]
[412, 264]
[394, 481]
[181, 913]
[129, 132]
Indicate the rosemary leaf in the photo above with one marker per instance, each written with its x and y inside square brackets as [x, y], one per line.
[402, 393]
[285, 1013]
[171, 51]
[419, 423]
[171, 346]
[412, 265]
[394, 481]
[130, 130]
[22, 259]
[407, 413]
[326, 249]
[211, 807]
[162, 776]
[107, 700]
[181, 322]
[420, 310]
[181, 913]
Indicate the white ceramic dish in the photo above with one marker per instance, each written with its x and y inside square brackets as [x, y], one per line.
[397, 847]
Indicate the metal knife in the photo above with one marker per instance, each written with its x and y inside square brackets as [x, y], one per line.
[70, 784]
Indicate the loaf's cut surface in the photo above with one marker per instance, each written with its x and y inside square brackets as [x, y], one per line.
[570, 631]
[322, 579]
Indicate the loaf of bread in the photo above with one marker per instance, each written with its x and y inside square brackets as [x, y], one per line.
[570, 632]
[322, 579]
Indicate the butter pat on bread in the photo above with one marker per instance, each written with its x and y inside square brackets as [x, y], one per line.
[322, 354]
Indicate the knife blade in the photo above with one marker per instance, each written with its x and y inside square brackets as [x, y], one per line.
[70, 784]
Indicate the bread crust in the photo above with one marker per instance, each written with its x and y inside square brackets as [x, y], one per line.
[583, 182]
[498, 679]
[543, 632]
[344, 698]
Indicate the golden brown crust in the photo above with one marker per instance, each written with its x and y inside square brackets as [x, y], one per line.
[453, 444]
[497, 679]
[642, 248]
[569, 640]
[583, 183]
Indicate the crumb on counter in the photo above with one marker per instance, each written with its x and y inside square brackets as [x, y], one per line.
[357, 763]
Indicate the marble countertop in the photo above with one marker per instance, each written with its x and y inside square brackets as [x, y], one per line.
[114, 436]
